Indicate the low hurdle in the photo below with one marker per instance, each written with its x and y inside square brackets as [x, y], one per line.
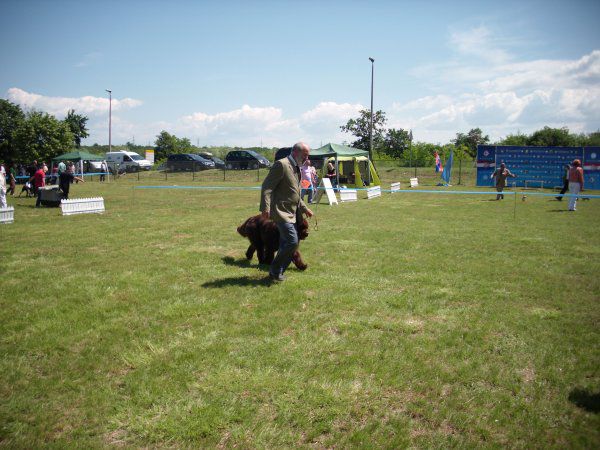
[7, 215]
[82, 206]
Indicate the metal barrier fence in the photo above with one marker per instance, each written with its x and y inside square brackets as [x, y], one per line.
[463, 173]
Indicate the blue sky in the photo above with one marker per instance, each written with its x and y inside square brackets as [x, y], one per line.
[242, 73]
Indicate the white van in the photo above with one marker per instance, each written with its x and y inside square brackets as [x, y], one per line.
[126, 161]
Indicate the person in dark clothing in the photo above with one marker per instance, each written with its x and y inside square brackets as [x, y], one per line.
[565, 178]
[64, 181]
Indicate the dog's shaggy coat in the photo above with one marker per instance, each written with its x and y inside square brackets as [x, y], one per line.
[264, 239]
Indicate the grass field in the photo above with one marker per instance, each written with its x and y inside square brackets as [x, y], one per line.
[423, 320]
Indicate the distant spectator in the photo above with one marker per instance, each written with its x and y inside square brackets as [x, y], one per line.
[103, 170]
[331, 174]
[32, 169]
[54, 178]
[308, 180]
[39, 181]
[62, 167]
[575, 183]
[65, 180]
[2, 187]
[501, 174]
[12, 178]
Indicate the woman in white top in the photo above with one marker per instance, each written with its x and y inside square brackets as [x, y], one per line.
[308, 180]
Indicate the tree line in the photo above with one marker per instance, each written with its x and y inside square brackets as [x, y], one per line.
[397, 144]
[35, 135]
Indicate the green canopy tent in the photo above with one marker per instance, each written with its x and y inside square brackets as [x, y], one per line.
[78, 157]
[354, 168]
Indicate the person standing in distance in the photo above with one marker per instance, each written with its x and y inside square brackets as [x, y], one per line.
[65, 180]
[501, 174]
[575, 183]
[280, 201]
[2, 187]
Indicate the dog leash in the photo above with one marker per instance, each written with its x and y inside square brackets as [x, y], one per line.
[316, 224]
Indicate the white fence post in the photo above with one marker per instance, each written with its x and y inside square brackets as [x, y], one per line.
[7, 215]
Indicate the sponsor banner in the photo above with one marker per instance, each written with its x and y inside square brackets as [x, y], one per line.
[150, 156]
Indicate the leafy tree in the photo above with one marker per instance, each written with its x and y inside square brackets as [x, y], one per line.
[471, 140]
[166, 144]
[591, 140]
[361, 126]
[421, 154]
[11, 117]
[550, 137]
[41, 136]
[515, 139]
[76, 123]
[396, 142]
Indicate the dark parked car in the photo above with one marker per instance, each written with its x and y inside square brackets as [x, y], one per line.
[245, 159]
[219, 163]
[188, 162]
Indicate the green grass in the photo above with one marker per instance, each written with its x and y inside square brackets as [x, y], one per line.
[423, 320]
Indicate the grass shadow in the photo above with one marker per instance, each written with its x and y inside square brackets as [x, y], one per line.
[559, 210]
[243, 263]
[238, 281]
[585, 400]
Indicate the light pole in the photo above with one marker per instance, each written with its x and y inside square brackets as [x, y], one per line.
[109, 120]
[410, 139]
[371, 128]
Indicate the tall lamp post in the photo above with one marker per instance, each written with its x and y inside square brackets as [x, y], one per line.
[371, 128]
[109, 120]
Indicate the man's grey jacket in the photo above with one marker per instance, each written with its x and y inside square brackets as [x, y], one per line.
[280, 194]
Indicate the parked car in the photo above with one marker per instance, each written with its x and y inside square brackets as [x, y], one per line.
[219, 163]
[126, 161]
[245, 159]
[188, 162]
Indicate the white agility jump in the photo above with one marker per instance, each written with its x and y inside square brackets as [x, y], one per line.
[7, 215]
[395, 187]
[373, 192]
[82, 206]
[348, 195]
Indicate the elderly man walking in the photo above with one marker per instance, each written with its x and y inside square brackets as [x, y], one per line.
[280, 200]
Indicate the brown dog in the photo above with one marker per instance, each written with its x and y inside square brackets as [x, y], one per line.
[264, 239]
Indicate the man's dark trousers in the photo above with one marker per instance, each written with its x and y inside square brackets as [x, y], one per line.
[288, 243]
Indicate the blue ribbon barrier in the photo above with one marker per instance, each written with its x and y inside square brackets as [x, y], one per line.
[416, 191]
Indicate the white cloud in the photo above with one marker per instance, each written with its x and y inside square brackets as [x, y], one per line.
[480, 43]
[251, 125]
[507, 97]
[60, 105]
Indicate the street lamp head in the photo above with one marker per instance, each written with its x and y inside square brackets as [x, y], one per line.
[371, 59]
[108, 90]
